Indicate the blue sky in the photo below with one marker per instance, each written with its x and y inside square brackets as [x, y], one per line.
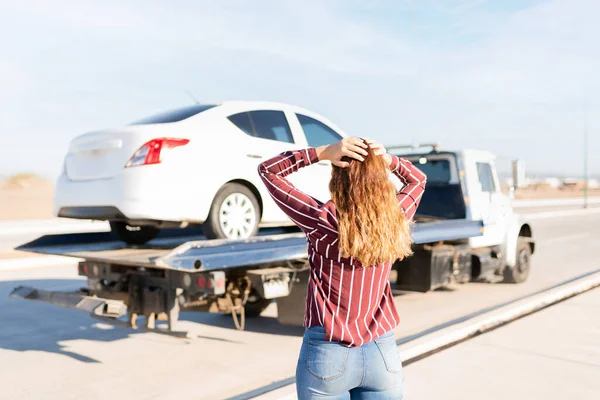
[506, 75]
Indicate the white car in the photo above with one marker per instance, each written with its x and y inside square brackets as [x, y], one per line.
[195, 164]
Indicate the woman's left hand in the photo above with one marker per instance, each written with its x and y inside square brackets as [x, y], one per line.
[348, 147]
[379, 150]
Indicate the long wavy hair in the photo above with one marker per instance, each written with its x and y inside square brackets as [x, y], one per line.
[372, 227]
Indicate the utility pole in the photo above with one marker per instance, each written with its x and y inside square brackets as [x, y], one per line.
[585, 154]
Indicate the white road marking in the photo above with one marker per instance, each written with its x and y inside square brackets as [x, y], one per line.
[15, 264]
[50, 226]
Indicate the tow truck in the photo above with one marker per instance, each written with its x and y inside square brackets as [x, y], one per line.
[465, 230]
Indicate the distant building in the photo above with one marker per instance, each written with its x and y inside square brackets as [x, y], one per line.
[554, 183]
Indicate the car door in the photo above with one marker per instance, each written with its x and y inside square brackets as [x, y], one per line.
[487, 202]
[315, 179]
[269, 134]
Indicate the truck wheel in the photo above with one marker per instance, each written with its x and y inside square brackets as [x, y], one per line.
[255, 304]
[234, 213]
[133, 234]
[520, 272]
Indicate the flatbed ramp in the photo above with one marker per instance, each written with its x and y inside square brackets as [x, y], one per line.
[187, 250]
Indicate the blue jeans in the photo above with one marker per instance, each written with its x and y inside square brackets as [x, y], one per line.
[328, 370]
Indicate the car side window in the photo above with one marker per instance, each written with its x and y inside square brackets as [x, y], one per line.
[264, 124]
[486, 178]
[317, 133]
[242, 121]
[272, 125]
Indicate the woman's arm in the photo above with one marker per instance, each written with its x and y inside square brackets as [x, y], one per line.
[411, 177]
[303, 209]
[414, 181]
[300, 207]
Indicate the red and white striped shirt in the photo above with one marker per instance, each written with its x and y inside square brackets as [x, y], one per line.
[353, 303]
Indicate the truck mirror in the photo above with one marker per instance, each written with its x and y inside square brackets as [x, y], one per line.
[518, 174]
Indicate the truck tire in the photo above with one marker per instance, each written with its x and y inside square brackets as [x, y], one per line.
[520, 272]
[133, 234]
[255, 304]
[234, 213]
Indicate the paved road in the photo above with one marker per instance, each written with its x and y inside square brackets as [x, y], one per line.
[69, 355]
[551, 355]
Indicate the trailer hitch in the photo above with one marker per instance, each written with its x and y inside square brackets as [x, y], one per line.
[105, 310]
[237, 294]
[77, 300]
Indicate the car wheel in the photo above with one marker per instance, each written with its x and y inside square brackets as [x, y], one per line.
[520, 272]
[234, 213]
[133, 234]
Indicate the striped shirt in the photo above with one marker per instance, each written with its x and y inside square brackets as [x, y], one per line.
[354, 304]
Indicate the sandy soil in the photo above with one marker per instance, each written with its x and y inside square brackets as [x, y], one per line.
[548, 193]
[12, 254]
[28, 197]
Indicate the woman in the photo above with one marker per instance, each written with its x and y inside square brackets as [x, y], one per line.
[349, 349]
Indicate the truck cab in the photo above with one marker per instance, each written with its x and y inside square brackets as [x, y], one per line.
[464, 184]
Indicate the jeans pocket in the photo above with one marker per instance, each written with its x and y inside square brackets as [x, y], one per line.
[326, 360]
[389, 352]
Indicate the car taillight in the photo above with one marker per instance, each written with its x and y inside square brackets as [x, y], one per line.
[153, 152]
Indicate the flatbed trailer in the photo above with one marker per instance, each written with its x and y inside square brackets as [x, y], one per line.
[181, 271]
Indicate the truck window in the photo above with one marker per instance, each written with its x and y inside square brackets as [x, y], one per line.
[317, 133]
[486, 178]
[437, 171]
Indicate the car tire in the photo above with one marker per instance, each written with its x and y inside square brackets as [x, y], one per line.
[234, 213]
[520, 272]
[133, 234]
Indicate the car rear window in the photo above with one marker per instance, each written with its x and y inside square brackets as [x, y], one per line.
[175, 115]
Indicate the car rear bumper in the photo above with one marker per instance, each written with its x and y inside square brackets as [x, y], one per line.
[127, 197]
[95, 212]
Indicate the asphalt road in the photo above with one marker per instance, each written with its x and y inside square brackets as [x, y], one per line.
[53, 353]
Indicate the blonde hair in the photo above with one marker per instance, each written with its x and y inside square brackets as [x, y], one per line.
[372, 227]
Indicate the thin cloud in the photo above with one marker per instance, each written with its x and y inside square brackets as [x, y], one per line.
[471, 76]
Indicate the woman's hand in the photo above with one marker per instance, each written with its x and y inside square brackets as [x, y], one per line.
[379, 150]
[348, 147]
